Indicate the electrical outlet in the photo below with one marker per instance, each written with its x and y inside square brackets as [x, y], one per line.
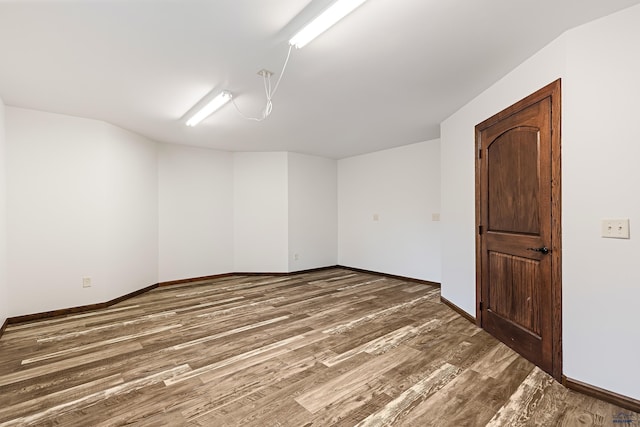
[376, 217]
[86, 282]
[296, 257]
[615, 228]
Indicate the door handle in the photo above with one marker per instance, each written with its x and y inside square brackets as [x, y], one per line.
[544, 250]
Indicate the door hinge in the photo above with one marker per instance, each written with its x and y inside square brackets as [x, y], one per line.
[480, 229]
[479, 152]
[480, 305]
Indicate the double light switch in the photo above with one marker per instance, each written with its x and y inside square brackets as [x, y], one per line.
[615, 228]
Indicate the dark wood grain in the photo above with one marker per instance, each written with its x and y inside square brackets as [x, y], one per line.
[332, 347]
[513, 184]
[517, 186]
[515, 302]
[555, 91]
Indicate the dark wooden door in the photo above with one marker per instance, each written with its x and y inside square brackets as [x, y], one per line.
[518, 219]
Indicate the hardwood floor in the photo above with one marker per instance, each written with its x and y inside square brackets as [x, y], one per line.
[328, 348]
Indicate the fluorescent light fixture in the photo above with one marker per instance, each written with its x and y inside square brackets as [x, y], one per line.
[213, 105]
[324, 21]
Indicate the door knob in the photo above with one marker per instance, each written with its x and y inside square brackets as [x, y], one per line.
[544, 250]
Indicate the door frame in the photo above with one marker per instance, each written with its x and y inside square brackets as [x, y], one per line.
[552, 91]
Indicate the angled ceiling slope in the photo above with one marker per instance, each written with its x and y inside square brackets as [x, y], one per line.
[385, 76]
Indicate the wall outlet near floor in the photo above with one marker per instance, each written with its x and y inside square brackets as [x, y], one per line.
[86, 282]
[296, 257]
[615, 228]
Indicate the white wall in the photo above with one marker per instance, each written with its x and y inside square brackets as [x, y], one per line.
[402, 187]
[82, 198]
[601, 153]
[600, 149]
[458, 168]
[195, 212]
[90, 199]
[4, 291]
[313, 212]
[131, 206]
[260, 212]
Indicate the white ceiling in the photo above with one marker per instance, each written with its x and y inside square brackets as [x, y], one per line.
[385, 76]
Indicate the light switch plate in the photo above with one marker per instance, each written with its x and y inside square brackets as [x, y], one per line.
[615, 228]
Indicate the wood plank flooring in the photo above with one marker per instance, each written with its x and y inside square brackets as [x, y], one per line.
[328, 348]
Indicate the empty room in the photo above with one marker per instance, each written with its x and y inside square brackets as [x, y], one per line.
[319, 213]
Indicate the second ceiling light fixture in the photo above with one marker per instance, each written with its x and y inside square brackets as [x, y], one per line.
[313, 29]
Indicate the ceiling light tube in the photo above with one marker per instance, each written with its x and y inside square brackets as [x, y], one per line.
[213, 105]
[324, 21]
